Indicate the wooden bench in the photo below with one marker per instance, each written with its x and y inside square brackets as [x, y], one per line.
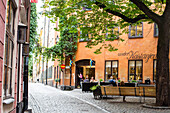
[128, 91]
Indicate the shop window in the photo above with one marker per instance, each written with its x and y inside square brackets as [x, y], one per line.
[154, 70]
[136, 31]
[8, 59]
[111, 69]
[156, 31]
[135, 70]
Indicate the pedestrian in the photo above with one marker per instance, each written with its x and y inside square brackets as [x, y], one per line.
[87, 79]
[81, 79]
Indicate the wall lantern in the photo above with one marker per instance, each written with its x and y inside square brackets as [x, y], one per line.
[22, 28]
[25, 49]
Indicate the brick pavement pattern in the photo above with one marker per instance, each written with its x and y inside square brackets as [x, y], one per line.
[47, 99]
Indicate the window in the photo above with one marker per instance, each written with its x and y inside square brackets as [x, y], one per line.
[10, 16]
[7, 81]
[84, 35]
[136, 31]
[111, 69]
[156, 31]
[135, 69]
[154, 70]
[112, 33]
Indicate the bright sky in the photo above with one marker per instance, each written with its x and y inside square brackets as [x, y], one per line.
[40, 19]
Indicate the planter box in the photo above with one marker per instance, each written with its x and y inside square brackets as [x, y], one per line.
[97, 93]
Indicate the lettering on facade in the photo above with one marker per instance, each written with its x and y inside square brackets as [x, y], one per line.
[137, 55]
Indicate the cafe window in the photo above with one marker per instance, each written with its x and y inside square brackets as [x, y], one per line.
[155, 30]
[111, 69]
[154, 70]
[135, 70]
[136, 31]
[8, 59]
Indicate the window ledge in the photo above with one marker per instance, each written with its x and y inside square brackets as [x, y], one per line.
[132, 37]
[8, 101]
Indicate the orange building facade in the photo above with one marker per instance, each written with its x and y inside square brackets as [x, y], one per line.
[135, 58]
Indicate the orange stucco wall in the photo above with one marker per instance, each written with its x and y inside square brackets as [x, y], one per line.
[145, 45]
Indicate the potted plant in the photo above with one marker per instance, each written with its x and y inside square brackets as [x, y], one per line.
[96, 91]
[56, 81]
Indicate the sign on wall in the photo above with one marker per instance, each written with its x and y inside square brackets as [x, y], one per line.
[138, 55]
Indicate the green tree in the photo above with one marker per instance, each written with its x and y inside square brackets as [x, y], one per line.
[67, 44]
[129, 12]
[33, 36]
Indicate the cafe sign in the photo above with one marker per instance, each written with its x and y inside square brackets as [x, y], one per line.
[137, 55]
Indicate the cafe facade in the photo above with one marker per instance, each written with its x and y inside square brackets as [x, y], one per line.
[135, 58]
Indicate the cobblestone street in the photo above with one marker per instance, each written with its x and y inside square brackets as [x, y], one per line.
[47, 99]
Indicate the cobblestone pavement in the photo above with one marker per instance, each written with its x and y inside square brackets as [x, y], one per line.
[47, 99]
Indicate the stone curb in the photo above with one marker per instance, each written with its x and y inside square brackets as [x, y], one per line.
[155, 107]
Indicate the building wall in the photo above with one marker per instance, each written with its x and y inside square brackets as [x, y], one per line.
[2, 29]
[10, 108]
[145, 45]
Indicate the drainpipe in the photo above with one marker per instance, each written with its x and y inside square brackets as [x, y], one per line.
[18, 80]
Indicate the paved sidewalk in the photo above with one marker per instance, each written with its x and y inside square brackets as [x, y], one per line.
[47, 99]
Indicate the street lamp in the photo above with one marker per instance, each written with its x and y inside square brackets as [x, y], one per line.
[21, 33]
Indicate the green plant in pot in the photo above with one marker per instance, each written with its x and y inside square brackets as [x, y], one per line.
[56, 81]
[96, 91]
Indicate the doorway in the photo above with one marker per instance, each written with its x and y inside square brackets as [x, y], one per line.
[84, 67]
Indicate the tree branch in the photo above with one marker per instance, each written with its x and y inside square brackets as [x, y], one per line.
[147, 11]
[130, 20]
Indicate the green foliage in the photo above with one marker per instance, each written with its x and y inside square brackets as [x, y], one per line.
[101, 80]
[57, 80]
[94, 87]
[33, 36]
[102, 17]
[67, 45]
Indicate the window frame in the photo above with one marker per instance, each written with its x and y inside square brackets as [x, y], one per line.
[129, 35]
[111, 68]
[112, 30]
[14, 7]
[156, 35]
[135, 67]
[84, 40]
[9, 49]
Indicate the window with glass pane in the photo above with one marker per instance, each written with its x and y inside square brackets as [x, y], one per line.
[156, 30]
[84, 35]
[136, 31]
[7, 81]
[154, 70]
[112, 33]
[8, 66]
[111, 68]
[135, 70]
[10, 16]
